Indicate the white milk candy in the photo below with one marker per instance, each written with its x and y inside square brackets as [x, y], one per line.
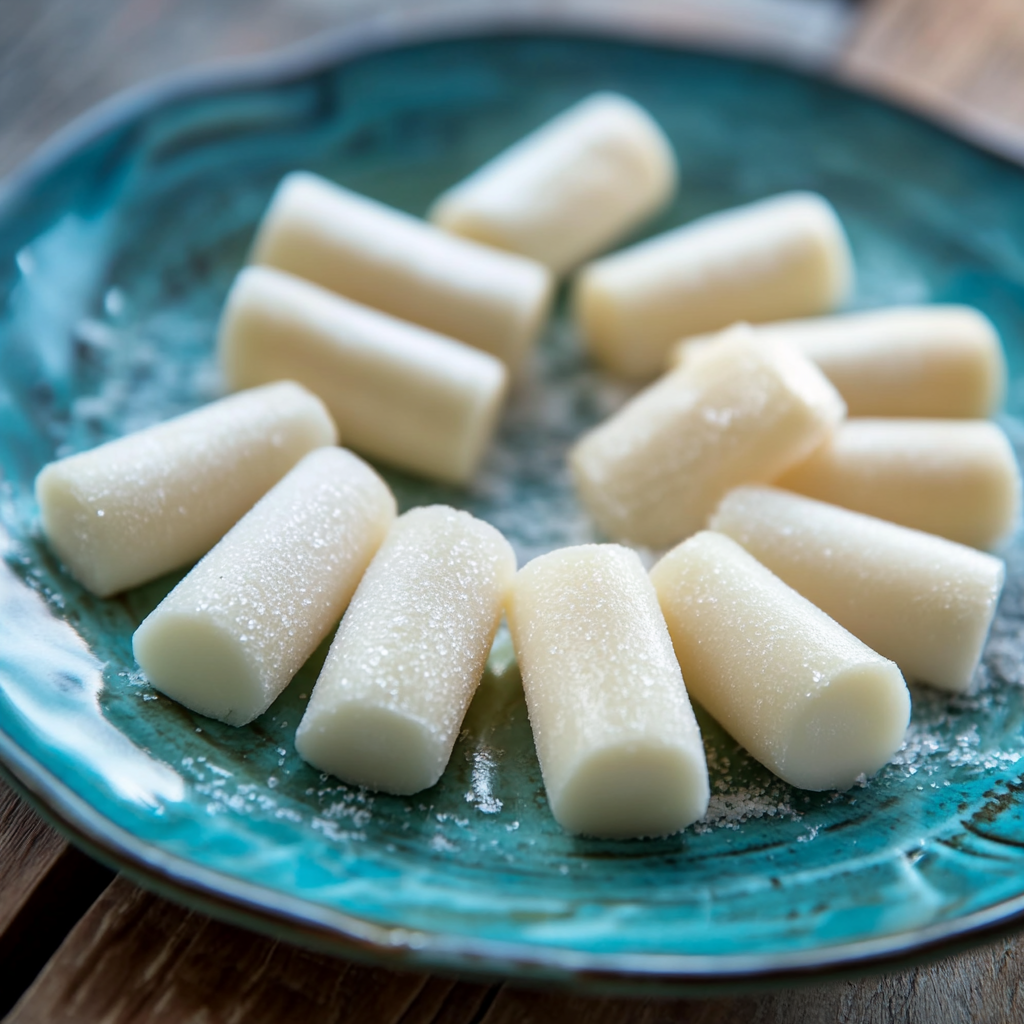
[618, 742]
[385, 258]
[737, 412]
[925, 602]
[134, 508]
[805, 697]
[230, 636]
[774, 259]
[921, 361]
[409, 654]
[570, 189]
[956, 478]
[399, 393]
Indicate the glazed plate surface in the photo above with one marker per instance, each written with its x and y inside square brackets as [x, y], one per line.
[115, 257]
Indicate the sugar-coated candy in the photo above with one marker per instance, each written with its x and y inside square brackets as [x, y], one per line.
[409, 653]
[781, 257]
[617, 740]
[230, 636]
[923, 361]
[144, 504]
[388, 259]
[956, 478]
[571, 188]
[399, 393]
[736, 412]
[923, 601]
[805, 697]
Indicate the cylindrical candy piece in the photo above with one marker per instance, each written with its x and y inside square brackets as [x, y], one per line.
[805, 697]
[737, 412]
[230, 636]
[399, 392]
[786, 256]
[144, 504]
[409, 653]
[617, 740]
[923, 601]
[956, 478]
[924, 361]
[382, 257]
[570, 189]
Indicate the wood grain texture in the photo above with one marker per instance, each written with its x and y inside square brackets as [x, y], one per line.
[443, 1001]
[985, 986]
[28, 850]
[58, 58]
[959, 60]
[136, 958]
[45, 886]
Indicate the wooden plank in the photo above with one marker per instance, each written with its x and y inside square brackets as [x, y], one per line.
[984, 986]
[444, 1001]
[28, 849]
[136, 957]
[961, 62]
[45, 886]
[60, 57]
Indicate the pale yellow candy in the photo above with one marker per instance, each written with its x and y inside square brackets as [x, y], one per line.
[399, 392]
[571, 188]
[923, 361]
[956, 478]
[144, 504]
[230, 636]
[410, 652]
[923, 601]
[782, 257]
[373, 254]
[805, 697]
[617, 740]
[740, 411]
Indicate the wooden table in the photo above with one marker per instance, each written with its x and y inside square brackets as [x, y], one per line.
[78, 943]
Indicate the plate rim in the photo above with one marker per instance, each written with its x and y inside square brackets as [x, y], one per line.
[300, 921]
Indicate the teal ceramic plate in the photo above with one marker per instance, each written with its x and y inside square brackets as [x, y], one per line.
[116, 252]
